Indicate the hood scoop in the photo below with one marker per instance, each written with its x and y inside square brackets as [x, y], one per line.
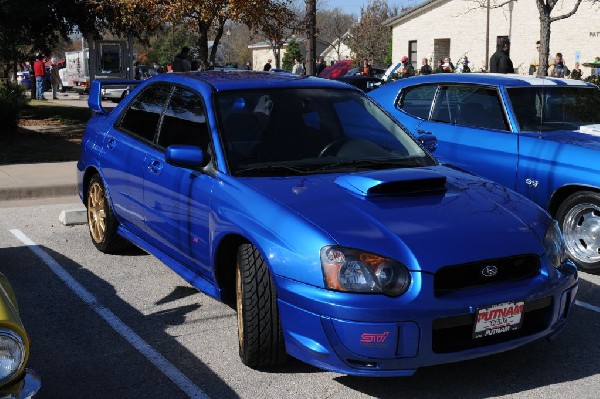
[394, 182]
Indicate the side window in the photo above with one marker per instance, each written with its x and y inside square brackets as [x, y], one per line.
[184, 121]
[143, 114]
[470, 105]
[417, 101]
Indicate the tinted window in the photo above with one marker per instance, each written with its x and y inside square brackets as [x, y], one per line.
[555, 108]
[184, 121]
[470, 105]
[143, 114]
[416, 101]
[311, 130]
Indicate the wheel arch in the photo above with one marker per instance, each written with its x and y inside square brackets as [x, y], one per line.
[87, 176]
[225, 259]
[563, 193]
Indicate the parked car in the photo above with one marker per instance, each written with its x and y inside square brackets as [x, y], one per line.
[116, 92]
[341, 71]
[538, 136]
[16, 381]
[339, 239]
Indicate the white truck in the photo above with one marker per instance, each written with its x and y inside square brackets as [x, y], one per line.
[75, 74]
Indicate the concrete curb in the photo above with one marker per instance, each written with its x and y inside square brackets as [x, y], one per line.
[58, 190]
[71, 217]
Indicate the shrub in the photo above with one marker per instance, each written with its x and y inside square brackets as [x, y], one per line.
[12, 102]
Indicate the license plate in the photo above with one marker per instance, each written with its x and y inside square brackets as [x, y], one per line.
[498, 319]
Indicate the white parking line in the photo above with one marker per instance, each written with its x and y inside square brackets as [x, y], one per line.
[168, 369]
[588, 306]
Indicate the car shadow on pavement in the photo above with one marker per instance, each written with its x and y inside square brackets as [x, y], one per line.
[78, 354]
[572, 356]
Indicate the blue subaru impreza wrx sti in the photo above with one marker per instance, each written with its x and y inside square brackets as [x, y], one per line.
[338, 237]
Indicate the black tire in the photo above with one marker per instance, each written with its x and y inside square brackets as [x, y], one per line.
[101, 219]
[260, 336]
[579, 219]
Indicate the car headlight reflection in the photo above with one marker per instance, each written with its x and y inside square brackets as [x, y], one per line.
[351, 270]
[12, 354]
[554, 245]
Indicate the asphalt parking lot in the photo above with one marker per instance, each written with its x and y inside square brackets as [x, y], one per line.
[127, 326]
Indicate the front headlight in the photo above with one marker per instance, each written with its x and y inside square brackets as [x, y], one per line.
[351, 270]
[12, 354]
[554, 244]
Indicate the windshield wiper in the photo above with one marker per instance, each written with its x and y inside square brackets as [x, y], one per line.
[371, 163]
[270, 170]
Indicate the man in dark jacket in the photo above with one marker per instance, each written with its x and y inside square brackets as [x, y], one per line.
[500, 62]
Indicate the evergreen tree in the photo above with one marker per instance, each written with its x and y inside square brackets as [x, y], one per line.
[292, 52]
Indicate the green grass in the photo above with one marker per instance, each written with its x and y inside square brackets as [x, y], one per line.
[55, 113]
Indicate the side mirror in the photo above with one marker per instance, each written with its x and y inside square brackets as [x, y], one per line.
[187, 156]
[429, 141]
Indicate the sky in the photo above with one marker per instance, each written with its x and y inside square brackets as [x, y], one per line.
[353, 6]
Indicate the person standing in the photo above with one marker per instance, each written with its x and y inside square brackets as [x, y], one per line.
[559, 69]
[425, 68]
[320, 66]
[267, 66]
[180, 61]
[576, 72]
[54, 77]
[366, 69]
[39, 71]
[440, 67]
[407, 69]
[298, 68]
[500, 61]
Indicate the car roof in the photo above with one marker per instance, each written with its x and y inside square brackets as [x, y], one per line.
[240, 80]
[497, 79]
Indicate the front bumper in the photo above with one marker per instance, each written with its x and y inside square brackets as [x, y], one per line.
[24, 388]
[374, 335]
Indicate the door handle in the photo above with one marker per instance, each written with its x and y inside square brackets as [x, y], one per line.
[155, 167]
[423, 131]
[111, 143]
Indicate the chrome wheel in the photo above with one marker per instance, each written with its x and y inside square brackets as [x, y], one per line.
[96, 212]
[581, 229]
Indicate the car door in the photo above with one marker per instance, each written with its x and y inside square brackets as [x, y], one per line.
[473, 132]
[176, 198]
[126, 147]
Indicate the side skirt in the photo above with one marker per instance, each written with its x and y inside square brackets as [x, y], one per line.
[202, 284]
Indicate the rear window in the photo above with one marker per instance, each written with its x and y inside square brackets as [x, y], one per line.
[550, 108]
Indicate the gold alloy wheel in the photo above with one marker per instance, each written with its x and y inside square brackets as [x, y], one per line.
[96, 213]
[239, 306]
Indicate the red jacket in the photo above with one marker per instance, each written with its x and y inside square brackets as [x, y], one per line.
[39, 69]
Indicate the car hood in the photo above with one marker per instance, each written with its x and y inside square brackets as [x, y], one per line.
[425, 217]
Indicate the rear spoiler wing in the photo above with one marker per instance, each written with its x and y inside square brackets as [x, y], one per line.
[95, 98]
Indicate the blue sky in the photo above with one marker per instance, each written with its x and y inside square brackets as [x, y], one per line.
[353, 6]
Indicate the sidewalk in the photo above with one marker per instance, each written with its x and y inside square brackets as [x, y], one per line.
[40, 180]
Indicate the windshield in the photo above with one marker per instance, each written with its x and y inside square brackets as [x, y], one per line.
[302, 131]
[551, 108]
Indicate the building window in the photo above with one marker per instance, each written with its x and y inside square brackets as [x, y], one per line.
[441, 49]
[412, 53]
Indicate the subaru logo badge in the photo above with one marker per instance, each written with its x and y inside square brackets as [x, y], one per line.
[489, 271]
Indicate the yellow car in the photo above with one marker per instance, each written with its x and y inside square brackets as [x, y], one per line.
[15, 380]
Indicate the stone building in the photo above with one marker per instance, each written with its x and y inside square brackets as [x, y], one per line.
[439, 28]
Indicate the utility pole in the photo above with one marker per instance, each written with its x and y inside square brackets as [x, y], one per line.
[311, 47]
[487, 37]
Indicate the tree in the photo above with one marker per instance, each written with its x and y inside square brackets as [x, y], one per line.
[370, 37]
[208, 17]
[167, 43]
[276, 25]
[545, 7]
[292, 53]
[332, 26]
